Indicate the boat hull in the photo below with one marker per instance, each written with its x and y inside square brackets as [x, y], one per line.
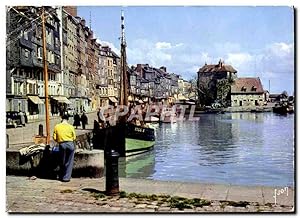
[138, 139]
[137, 146]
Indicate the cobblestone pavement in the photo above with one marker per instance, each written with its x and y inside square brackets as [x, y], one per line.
[85, 195]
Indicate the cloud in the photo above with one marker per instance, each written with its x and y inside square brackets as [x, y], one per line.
[273, 62]
[154, 53]
[239, 59]
[227, 47]
[163, 45]
[111, 45]
[281, 49]
[167, 45]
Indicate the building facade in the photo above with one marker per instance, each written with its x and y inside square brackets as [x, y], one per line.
[247, 92]
[25, 87]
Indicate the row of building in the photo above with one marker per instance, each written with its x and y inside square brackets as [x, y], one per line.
[82, 73]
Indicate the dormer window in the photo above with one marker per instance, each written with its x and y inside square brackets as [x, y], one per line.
[244, 88]
[254, 88]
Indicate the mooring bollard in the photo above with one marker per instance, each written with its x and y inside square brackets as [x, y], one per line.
[41, 130]
[112, 175]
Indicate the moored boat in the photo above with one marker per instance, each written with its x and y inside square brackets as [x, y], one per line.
[281, 109]
[138, 139]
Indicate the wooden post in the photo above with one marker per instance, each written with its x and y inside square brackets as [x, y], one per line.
[45, 77]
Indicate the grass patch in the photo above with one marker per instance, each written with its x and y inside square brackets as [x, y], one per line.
[238, 204]
[123, 194]
[268, 204]
[98, 195]
[66, 191]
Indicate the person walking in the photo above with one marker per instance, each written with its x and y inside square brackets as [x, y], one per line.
[22, 118]
[64, 134]
[76, 122]
[84, 120]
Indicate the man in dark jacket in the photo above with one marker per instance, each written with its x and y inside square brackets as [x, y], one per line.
[84, 120]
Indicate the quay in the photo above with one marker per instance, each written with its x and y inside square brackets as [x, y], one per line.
[83, 195]
[87, 163]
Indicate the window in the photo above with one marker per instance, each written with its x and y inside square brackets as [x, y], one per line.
[30, 88]
[56, 42]
[52, 58]
[25, 34]
[39, 52]
[26, 53]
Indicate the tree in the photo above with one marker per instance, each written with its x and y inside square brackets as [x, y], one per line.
[193, 89]
[223, 90]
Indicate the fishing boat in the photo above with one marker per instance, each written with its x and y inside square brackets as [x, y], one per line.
[138, 138]
[283, 109]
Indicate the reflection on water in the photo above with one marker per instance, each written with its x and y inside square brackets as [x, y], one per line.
[137, 166]
[236, 148]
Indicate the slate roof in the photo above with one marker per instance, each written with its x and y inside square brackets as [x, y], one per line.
[247, 85]
[216, 68]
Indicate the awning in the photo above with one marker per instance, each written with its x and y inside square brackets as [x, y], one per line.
[35, 99]
[62, 99]
[182, 98]
[113, 99]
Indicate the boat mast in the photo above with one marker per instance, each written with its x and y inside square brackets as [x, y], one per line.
[123, 76]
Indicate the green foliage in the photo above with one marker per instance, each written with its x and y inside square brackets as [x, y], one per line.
[98, 195]
[66, 191]
[238, 204]
[123, 194]
[223, 90]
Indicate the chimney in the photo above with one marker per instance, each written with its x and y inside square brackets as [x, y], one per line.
[139, 68]
[163, 68]
[71, 10]
[220, 63]
[82, 22]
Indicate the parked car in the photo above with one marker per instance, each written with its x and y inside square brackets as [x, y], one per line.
[13, 119]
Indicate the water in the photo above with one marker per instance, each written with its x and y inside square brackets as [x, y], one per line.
[236, 148]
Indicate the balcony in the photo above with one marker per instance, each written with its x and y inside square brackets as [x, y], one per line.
[26, 43]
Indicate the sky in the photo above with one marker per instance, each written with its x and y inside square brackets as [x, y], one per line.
[256, 41]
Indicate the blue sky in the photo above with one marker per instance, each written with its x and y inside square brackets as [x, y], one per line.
[257, 41]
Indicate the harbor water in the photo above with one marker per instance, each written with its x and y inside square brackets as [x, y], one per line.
[231, 148]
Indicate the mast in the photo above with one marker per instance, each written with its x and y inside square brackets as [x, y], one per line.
[45, 78]
[123, 75]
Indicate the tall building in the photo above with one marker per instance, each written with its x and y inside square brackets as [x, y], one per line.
[208, 78]
[25, 87]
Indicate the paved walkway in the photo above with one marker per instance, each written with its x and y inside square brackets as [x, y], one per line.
[83, 195]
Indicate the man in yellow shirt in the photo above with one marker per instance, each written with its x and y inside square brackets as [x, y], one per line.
[64, 135]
